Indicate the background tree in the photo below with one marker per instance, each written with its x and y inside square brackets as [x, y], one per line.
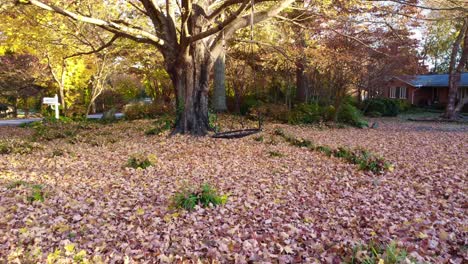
[19, 74]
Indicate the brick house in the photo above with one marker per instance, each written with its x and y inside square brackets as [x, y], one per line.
[428, 89]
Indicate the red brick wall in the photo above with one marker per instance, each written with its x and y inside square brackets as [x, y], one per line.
[418, 96]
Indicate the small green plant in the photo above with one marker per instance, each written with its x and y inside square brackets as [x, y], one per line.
[259, 139]
[275, 154]
[37, 193]
[141, 161]
[374, 253]
[213, 121]
[301, 143]
[187, 199]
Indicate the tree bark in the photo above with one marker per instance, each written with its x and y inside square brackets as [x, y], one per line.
[455, 71]
[219, 93]
[190, 77]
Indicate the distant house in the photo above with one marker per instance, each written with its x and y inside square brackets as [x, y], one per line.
[428, 89]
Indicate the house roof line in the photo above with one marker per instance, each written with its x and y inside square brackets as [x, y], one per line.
[400, 79]
[431, 80]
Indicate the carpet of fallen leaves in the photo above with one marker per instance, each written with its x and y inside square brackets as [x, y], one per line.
[300, 207]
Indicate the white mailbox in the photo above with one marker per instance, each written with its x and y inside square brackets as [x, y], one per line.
[53, 102]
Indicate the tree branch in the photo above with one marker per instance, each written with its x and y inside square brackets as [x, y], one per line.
[138, 35]
[244, 21]
[106, 45]
[221, 25]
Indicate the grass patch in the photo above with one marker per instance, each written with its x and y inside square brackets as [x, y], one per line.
[375, 254]
[188, 198]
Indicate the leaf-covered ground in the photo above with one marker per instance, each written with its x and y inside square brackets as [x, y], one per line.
[297, 207]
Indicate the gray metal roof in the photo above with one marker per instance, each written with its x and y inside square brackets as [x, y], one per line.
[432, 80]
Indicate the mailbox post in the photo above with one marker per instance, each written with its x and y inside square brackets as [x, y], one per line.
[53, 102]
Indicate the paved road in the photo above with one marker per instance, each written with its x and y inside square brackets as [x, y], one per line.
[17, 122]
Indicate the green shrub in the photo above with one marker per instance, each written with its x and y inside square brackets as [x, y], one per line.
[349, 114]
[187, 199]
[141, 161]
[248, 102]
[403, 106]
[305, 114]
[384, 106]
[328, 113]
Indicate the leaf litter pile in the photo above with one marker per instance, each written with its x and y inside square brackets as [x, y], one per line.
[77, 199]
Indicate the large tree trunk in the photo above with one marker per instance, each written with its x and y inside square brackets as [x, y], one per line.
[455, 71]
[190, 77]
[219, 93]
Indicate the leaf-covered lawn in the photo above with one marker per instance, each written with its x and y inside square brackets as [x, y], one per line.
[294, 206]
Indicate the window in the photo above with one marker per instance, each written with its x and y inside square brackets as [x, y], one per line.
[392, 92]
[402, 93]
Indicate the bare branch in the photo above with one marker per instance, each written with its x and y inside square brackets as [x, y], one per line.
[106, 45]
